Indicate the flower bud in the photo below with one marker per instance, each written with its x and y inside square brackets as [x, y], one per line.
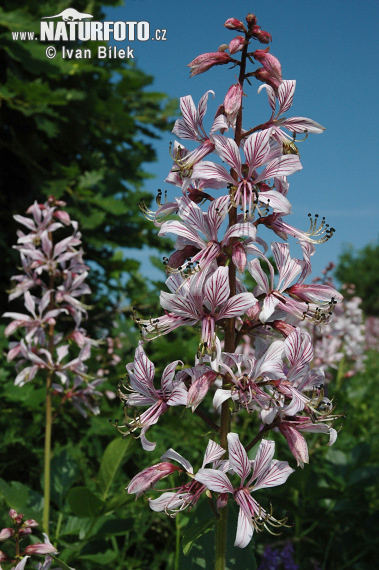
[63, 216]
[232, 103]
[284, 328]
[3, 556]
[236, 44]
[199, 389]
[25, 531]
[251, 19]
[222, 500]
[234, 24]
[40, 548]
[261, 35]
[265, 76]
[239, 257]
[149, 477]
[269, 62]
[6, 533]
[205, 61]
[31, 523]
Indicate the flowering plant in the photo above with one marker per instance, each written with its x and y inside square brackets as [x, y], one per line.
[276, 382]
[52, 341]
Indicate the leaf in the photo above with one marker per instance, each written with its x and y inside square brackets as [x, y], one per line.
[194, 532]
[98, 552]
[60, 563]
[15, 494]
[83, 502]
[64, 472]
[113, 457]
[202, 548]
[113, 526]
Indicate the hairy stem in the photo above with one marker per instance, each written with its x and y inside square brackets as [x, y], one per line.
[229, 329]
[47, 455]
[48, 416]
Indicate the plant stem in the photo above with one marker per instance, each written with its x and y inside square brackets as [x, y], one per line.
[230, 341]
[48, 416]
[47, 455]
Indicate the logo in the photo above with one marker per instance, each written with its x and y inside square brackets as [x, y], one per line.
[70, 25]
[69, 15]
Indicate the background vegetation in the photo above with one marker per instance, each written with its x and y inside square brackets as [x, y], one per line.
[84, 133]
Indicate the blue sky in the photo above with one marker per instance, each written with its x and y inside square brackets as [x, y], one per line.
[331, 49]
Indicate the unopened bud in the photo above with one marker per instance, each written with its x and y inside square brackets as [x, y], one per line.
[269, 62]
[234, 24]
[6, 533]
[25, 531]
[40, 548]
[149, 477]
[262, 36]
[205, 61]
[222, 501]
[236, 44]
[31, 523]
[233, 100]
[251, 19]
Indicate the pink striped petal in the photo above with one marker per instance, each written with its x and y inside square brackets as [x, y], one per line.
[213, 452]
[263, 458]
[277, 474]
[217, 290]
[245, 530]
[180, 229]
[210, 172]
[282, 166]
[257, 148]
[286, 92]
[214, 480]
[228, 151]
[302, 125]
[270, 94]
[296, 443]
[238, 458]
[237, 306]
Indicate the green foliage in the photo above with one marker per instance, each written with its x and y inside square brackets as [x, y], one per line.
[362, 269]
[82, 131]
[333, 502]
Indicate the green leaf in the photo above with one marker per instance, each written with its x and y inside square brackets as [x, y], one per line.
[64, 472]
[113, 526]
[202, 545]
[113, 457]
[15, 494]
[98, 552]
[194, 532]
[83, 502]
[60, 563]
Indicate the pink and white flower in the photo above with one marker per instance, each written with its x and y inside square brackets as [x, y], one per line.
[263, 472]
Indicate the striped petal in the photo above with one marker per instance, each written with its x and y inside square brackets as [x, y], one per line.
[228, 151]
[238, 458]
[257, 148]
[286, 92]
[214, 480]
[217, 290]
[281, 166]
[237, 305]
[277, 474]
[263, 458]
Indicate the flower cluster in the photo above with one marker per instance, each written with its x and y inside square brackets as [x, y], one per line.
[341, 343]
[217, 246]
[18, 532]
[52, 285]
